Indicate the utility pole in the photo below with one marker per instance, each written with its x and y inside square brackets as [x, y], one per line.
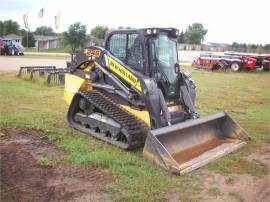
[41, 15]
[25, 20]
[42, 25]
[27, 30]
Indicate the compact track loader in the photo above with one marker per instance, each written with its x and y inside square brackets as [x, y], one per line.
[132, 93]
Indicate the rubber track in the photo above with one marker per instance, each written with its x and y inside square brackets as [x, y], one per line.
[133, 126]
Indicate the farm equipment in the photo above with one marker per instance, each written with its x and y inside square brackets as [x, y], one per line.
[132, 93]
[262, 60]
[50, 74]
[211, 61]
[2, 47]
[266, 62]
[10, 48]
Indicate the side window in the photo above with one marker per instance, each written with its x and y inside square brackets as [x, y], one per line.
[134, 52]
[128, 49]
[117, 46]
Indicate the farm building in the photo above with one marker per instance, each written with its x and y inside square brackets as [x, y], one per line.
[12, 37]
[46, 42]
[184, 46]
[218, 47]
[209, 46]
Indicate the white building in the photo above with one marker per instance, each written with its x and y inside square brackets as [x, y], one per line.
[12, 37]
[46, 42]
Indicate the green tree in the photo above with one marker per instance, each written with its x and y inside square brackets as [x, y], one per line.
[195, 33]
[1, 28]
[31, 39]
[9, 27]
[22, 32]
[253, 46]
[181, 38]
[99, 31]
[235, 45]
[75, 36]
[46, 31]
[267, 47]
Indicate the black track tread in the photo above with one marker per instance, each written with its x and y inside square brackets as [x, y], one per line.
[133, 126]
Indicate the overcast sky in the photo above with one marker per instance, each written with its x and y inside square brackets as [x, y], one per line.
[244, 21]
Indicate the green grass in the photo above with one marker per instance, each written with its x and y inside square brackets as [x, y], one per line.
[214, 191]
[45, 162]
[66, 49]
[236, 196]
[30, 49]
[58, 50]
[245, 96]
[232, 178]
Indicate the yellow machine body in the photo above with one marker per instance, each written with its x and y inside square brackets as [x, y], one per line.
[73, 84]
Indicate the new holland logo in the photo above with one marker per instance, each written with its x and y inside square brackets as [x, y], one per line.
[124, 73]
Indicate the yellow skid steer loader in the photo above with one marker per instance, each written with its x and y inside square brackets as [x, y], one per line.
[132, 93]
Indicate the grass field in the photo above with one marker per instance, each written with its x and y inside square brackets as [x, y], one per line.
[245, 96]
[66, 49]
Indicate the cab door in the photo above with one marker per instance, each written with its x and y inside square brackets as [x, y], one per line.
[128, 48]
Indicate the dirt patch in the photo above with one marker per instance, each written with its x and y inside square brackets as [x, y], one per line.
[233, 187]
[30, 171]
[239, 187]
[244, 188]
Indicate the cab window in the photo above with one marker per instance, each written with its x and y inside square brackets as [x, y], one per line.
[127, 48]
[117, 46]
[135, 52]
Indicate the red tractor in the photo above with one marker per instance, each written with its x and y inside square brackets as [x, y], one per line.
[2, 47]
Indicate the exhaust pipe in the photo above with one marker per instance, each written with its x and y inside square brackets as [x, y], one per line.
[186, 146]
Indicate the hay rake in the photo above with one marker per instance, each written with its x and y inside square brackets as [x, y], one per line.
[49, 74]
[57, 77]
[25, 71]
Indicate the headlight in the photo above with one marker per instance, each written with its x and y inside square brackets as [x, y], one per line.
[148, 31]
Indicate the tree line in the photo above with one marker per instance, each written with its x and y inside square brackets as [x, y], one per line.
[76, 35]
[251, 46]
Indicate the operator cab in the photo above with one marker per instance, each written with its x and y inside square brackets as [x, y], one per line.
[152, 52]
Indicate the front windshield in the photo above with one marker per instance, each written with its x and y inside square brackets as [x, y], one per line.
[164, 52]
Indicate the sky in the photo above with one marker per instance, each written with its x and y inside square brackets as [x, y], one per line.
[227, 21]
